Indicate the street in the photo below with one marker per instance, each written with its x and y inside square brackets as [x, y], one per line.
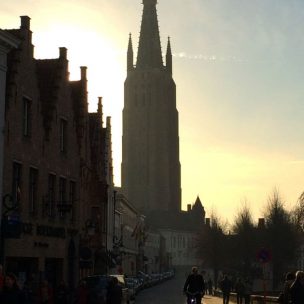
[170, 292]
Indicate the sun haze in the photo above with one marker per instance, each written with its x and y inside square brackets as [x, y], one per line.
[238, 69]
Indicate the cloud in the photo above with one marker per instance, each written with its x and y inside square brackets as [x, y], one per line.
[210, 58]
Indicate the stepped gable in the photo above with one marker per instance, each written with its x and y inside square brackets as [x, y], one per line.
[79, 96]
[76, 94]
[13, 63]
[48, 76]
[14, 32]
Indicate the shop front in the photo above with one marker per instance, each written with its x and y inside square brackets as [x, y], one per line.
[43, 253]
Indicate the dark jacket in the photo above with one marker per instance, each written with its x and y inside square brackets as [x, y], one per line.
[297, 292]
[226, 285]
[194, 283]
[239, 287]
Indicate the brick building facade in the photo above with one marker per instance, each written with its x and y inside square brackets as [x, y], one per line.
[57, 182]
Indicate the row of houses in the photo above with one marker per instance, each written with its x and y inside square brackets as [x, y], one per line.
[61, 215]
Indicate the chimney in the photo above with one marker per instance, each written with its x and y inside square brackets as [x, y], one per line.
[63, 53]
[188, 207]
[83, 72]
[261, 223]
[25, 22]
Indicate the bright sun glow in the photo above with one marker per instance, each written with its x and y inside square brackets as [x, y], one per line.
[238, 78]
[104, 72]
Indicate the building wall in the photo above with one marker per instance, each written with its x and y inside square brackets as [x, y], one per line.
[128, 235]
[182, 247]
[152, 252]
[7, 42]
[49, 239]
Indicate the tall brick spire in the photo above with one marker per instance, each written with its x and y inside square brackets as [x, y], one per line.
[149, 49]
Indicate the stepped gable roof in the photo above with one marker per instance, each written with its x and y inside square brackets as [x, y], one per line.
[47, 75]
[76, 89]
[14, 32]
[95, 126]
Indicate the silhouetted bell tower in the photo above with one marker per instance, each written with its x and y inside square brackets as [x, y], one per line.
[150, 143]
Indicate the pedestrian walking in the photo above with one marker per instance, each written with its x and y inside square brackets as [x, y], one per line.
[11, 293]
[297, 289]
[239, 288]
[247, 290]
[226, 289]
[285, 296]
[210, 286]
[114, 292]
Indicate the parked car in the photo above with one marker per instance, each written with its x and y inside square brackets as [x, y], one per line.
[98, 288]
[137, 283]
[125, 291]
[145, 277]
[131, 284]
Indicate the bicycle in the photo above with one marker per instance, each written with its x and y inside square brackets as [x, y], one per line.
[192, 296]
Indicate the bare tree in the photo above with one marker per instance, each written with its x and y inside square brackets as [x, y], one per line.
[280, 236]
[244, 241]
[297, 213]
[212, 245]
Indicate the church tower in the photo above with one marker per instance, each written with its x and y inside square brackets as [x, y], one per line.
[150, 143]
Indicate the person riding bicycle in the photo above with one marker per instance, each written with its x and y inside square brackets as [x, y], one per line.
[194, 286]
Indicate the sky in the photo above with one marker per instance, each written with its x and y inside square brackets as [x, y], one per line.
[239, 70]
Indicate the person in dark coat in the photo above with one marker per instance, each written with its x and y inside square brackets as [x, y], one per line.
[114, 292]
[226, 289]
[194, 285]
[11, 293]
[285, 296]
[210, 287]
[297, 289]
[239, 288]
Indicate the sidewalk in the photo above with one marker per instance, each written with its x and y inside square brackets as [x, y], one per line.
[207, 299]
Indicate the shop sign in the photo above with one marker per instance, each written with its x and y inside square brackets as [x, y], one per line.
[58, 232]
[11, 227]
